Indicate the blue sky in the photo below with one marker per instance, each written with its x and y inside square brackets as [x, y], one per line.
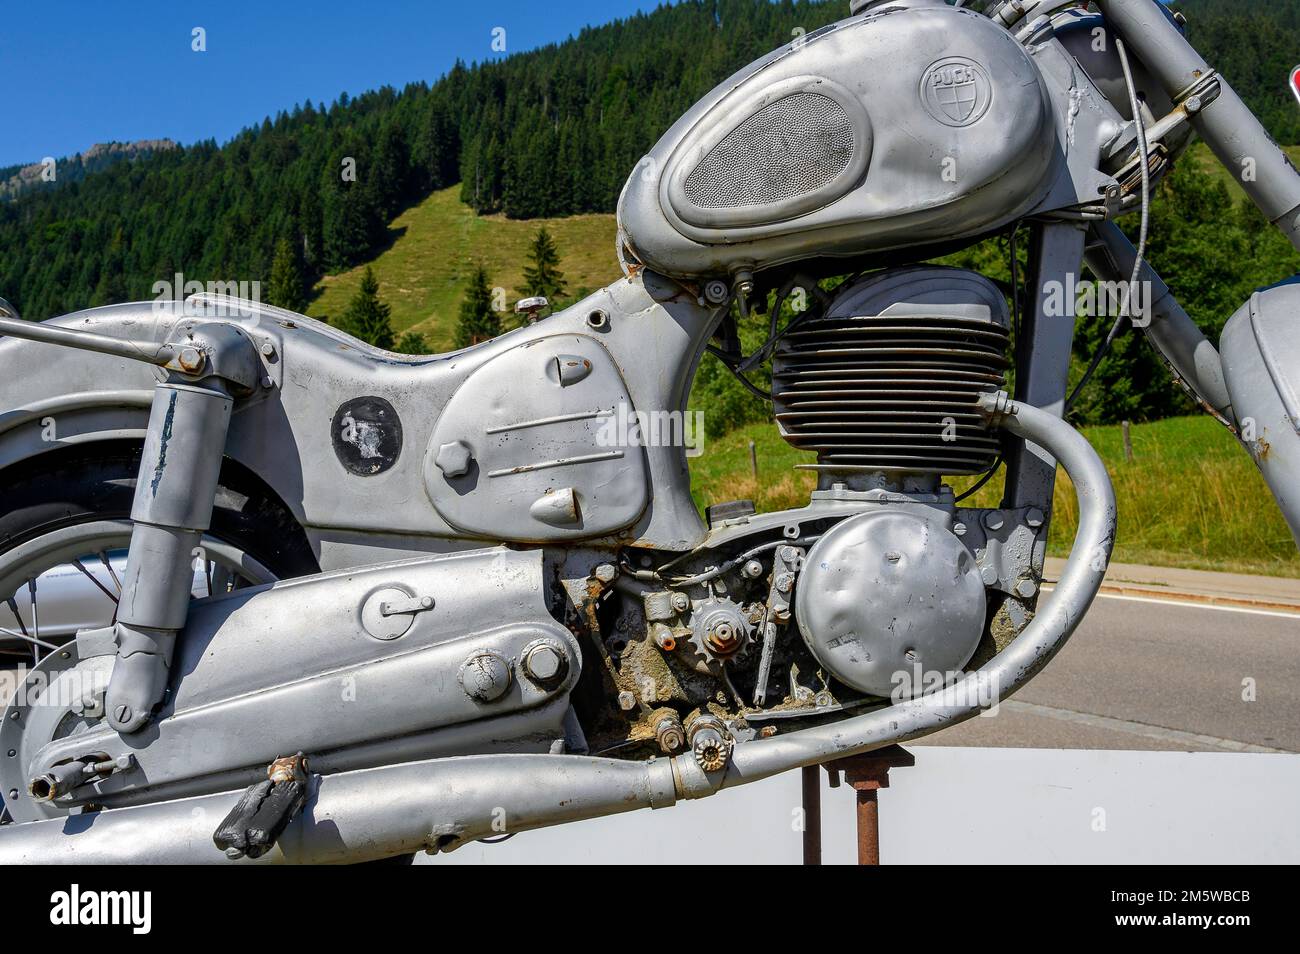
[78, 73]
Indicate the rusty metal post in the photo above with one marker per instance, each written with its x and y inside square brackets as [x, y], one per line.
[812, 815]
[867, 774]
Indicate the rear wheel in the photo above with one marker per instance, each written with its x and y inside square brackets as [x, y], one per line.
[65, 529]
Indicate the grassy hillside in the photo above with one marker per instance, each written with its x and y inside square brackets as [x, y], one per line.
[1190, 498]
[436, 244]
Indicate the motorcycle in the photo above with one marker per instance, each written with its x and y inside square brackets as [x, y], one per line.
[373, 604]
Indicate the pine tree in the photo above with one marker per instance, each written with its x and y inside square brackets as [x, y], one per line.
[412, 342]
[543, 275]
[285, 286]
[478, 322]
[367, 317]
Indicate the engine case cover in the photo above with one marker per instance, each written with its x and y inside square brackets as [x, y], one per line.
[889, 597]
[899, 127]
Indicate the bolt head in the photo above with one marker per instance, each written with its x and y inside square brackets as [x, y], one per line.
[993, 520]
[484, 676]
[1026, 588]
[626, 701]
[453, 459]
[191, 359]
[268, 349]
[606, 572]
[753, 569]
[716, 292]
[1034, 517]
[681, 601]
[543, 663]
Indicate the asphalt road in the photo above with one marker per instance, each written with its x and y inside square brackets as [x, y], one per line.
[1155, 675]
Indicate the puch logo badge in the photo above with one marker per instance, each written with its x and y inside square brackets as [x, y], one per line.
[956, 91]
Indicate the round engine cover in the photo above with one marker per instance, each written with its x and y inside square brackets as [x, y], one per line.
[888, 598]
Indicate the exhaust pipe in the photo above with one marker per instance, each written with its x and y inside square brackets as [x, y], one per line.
[440, 804]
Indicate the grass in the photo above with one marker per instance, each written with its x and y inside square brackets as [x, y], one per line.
[437, 243]
[1190, 498]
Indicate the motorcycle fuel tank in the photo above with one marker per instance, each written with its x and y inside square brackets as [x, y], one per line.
[910, 124]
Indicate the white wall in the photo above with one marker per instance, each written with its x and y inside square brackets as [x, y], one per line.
[968, 805]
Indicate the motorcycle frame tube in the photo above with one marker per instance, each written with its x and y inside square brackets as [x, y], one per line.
[1111, 256]
[1043, 366]
[1226, 123]
[440, 804]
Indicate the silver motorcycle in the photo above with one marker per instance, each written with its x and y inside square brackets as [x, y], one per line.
[374, 604]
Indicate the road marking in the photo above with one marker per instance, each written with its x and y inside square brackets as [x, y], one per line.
[1160, 601]
[1137, 728]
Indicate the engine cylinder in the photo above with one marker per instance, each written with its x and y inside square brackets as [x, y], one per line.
[893, 390]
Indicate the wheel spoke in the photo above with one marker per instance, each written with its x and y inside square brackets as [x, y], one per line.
[103, 558]
[36, 622]
[90, 576]
[13, 608]
[28, 639]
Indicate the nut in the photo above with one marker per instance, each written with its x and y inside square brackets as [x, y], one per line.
[626, 701]
[681, 601]
[669, 734]
[544, 663]
[190, 359]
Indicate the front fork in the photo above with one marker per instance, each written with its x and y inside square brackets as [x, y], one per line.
[174, 495]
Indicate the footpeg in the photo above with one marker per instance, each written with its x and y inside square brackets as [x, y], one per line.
[265, 810]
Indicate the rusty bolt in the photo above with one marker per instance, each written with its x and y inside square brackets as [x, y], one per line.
[669, 734]
[681, 601]
[626, 701]
[785, 582]
[606, 572]
[767, 732]
[191, 359]
[710, 743]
